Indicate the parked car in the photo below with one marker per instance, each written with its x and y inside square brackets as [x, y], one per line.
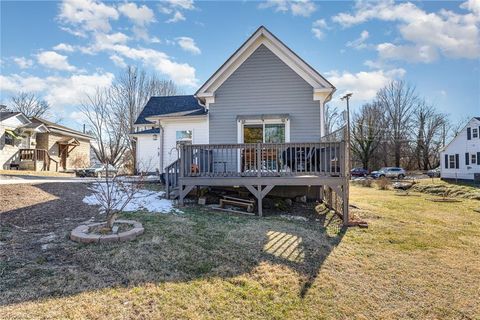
[434, 173]
[389, 172]
[359, 172]
[97, 170]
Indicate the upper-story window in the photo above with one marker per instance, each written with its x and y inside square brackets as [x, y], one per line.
[475, 132]
[451, 161]
[474, 158]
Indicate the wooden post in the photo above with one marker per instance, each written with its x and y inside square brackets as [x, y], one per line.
[34, 160]
[260, 202]
[167, 183]
[259, 160]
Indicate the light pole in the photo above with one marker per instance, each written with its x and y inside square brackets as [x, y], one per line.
[346, 188]
[347, 133]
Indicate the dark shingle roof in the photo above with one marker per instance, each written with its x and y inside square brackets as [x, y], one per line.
[167, 105]
[478, 118]
[8, 114]
[148, 131]
[57, 126]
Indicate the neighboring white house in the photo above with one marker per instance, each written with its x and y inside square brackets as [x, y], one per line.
[460, 159]
[16, 132]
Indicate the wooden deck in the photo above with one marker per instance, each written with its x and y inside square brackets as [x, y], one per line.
[260, 167]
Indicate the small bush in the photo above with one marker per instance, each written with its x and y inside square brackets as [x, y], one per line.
[367, 183]
[383, 184]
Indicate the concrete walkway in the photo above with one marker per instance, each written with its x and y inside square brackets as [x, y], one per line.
[32, 179]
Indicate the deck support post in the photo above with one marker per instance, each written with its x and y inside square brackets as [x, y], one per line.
[182, 192]
[259, 193]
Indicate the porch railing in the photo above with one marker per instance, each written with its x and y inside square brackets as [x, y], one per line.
[171, 176]
[262, 160]
[37, 155]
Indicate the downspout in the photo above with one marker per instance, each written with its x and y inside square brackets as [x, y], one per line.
[160, 155]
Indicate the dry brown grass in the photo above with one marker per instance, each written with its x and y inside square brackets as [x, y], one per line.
[383, 183]
[417, 260]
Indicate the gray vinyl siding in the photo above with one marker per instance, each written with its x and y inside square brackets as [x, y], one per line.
[264, 84]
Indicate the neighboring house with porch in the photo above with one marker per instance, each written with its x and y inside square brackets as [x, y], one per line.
[460, 159]
[40, 145]
[257, 122]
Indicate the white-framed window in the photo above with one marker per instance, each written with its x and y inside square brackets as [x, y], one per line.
[451, 160]
[184, 136]
[474, 158]
[475, 132]
[264, 131]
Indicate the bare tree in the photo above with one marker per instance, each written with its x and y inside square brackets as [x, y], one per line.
[399, 100]
[333, 119]
[114, 194]
[130, 93]
[110, 141]
[30, 104]
[367, 132]
[429, 125]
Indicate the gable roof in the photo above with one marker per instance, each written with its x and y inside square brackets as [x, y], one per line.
[9, 114]
[60, 129]
[262, 36]
[185, 105]
[459, 133]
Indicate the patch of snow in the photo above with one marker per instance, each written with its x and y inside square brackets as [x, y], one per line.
[147, 200]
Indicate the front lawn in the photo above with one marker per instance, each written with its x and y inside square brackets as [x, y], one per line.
[418, 259]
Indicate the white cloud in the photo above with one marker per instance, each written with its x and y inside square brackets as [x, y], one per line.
[389, 51]
[53, 60]
[318, 28]
[303, 8]
[23, 62]
[188, 44]
[364, 85]
[58, 91]
[177, 16]
[118, 61]
[175, 8]
[89, 15]
[359, 43]
[64, 47]
[454, 35]
[141, 15]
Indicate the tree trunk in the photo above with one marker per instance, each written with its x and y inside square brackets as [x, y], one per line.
[111, 217]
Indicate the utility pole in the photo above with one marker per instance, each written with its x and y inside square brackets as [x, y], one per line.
[346, 188]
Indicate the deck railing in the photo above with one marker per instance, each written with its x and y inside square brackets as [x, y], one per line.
[171, 176]
[262, 160]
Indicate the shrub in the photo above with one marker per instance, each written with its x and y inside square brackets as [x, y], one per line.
[383, 183]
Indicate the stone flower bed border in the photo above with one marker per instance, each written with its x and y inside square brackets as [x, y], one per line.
[80, 233]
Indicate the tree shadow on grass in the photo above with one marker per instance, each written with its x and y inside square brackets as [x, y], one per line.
[198, 244]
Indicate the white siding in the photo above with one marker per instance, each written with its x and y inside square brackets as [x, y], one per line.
[148, 159]
[199, 126]
[461, 145]
[8, 153]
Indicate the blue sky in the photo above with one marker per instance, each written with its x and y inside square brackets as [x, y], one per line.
[62, 50]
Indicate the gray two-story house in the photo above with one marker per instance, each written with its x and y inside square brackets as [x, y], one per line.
[257, 122]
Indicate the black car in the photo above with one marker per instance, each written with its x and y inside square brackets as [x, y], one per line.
[359, 172]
